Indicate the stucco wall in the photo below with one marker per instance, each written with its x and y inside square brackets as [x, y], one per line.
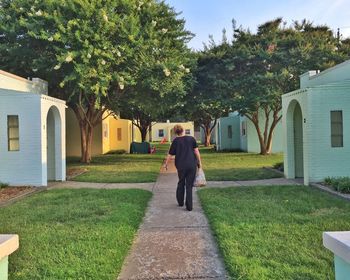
[289, 102]
[73, 142]
[28, 166]
[13, 82]
[58, 108]
[125, 141]
[167, 127]
[326, 160]
[21, 167]
[320, 159]
[223, 141]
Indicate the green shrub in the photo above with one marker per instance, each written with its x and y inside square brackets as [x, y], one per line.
[279, 166]
[3, 185]
[340, 184]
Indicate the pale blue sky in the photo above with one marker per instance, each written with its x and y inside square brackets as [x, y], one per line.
[204, 17]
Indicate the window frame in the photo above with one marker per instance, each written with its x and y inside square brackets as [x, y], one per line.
[187, 130]
[9, 127]
[119, 134]
[160, 130]
[229, 132]
[243, 128]
[333, 122]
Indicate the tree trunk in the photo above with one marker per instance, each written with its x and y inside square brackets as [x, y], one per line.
[275, 121]
[86, 136]
[87, 121]
[254, 118]
[265, 137]
[207, 134]
[143, 131]
[86, 143]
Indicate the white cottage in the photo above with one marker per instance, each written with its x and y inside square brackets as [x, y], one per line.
[316, 125]
[32, 133]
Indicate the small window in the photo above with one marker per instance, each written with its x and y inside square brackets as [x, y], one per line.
[229, 131]
[105, 130]
[337, 128]
[119, 134]
[243, 128]
[161, 133]
[13, 133]
[188, 131]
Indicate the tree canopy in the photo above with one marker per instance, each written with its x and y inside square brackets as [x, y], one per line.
[255, 69]
[93, 52]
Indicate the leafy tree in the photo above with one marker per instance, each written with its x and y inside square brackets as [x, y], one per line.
[208, 100]
[91, 52]
[79, 46]
[263, 66]
[161, 70]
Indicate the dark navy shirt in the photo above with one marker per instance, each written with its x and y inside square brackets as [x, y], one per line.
[183, 149]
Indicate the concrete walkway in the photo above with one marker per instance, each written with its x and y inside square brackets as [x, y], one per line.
[151, 186]
[172, 242]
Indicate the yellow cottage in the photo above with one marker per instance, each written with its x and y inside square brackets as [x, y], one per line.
[161, 130]
[110, 135]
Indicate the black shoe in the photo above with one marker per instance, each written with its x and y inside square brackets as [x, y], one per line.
[189, 209]
[180, 205]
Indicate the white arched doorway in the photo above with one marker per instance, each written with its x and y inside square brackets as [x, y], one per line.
[54, 144]
[295, 146]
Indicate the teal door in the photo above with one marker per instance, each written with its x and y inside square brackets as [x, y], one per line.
[298, 142]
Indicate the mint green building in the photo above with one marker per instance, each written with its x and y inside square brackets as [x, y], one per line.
[237, 132]
[316, 125]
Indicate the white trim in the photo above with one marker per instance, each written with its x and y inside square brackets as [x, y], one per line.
[339, 243]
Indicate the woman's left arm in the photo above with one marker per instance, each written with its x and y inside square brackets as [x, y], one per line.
[198, 156]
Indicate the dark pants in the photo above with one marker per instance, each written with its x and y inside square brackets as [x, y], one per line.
[186, 178]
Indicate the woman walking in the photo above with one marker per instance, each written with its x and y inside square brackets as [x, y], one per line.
[187, 158]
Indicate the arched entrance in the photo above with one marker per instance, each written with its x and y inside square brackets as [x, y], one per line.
[54, 145]
[295, 147]
[298, 142]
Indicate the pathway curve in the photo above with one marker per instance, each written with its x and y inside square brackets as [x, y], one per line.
[173, 243]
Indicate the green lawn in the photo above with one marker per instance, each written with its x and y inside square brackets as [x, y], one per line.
[125, 168]
[73, 234]
[275, 232]
[138, 168]
[238, 166]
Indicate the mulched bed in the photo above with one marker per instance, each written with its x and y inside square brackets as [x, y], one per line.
[12, 192]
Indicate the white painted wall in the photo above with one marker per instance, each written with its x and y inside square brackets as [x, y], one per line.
[28, 166]
[59, 110]
[13, 82]
[21, 167]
